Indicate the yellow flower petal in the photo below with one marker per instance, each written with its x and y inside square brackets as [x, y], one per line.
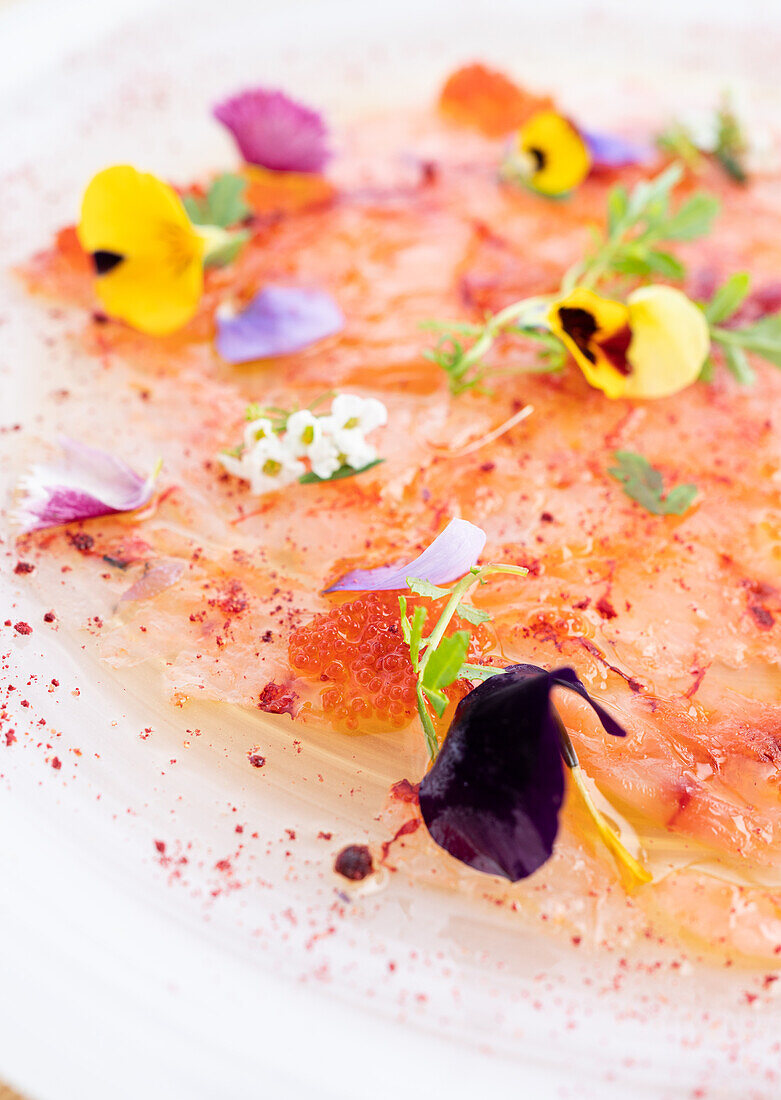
[653, 346]
[595, 331]
[155, 280]
[555, 155]
[670, 342]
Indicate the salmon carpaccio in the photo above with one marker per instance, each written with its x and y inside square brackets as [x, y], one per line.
[673, 622]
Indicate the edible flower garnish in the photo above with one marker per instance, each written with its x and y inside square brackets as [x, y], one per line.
[278, 321]
[553, 156]
[643, 483]
[493, 795]
[452, 553]
[487, 100]
[84, 483]
[652, 346]
[279, 442]
[147, 254]
[549, 155]
[648, 343]
[274, 131]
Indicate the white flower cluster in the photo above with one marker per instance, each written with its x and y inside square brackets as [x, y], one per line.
[270, 459]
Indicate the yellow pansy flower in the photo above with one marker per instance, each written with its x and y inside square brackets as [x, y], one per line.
[148, 256]
[652, 346]
[550, 154]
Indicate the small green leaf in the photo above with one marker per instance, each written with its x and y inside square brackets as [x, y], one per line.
[708, 370]
[728, 298]
[665, 264]
[472, 614]
[426, 588]
[406, 629]
[694, 218]
[763, 338]
[419, 616]
[617, 203]
[738, 365]
[223, 205]
[311, 478]
[643, 483]
[437, 698]
[443, 665]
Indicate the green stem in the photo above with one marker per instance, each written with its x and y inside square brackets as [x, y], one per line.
[450, 608]
[432, 744]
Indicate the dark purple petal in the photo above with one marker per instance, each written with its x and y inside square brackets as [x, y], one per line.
[278, 321]
[611, 151]
[274, 131]
[492, 797]
[84, 483]
[452, 554]
[567, 677]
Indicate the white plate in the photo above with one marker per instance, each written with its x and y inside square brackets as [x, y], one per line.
[125, 972]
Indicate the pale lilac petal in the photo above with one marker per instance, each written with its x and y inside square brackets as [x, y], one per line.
[611, 151]
[452, 554]
[274, 131]
[85, 482]
[279, 320]
[154, 580]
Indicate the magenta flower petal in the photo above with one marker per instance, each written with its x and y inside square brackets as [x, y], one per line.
[84, 483]
[274, 131]
[610, 151]
[279, 320]
[452, 554]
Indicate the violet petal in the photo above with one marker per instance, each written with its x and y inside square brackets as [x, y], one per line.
[278, 321]
[275, 131]
[84, 483]
[611, 151]
[492, 796]
[452, 554]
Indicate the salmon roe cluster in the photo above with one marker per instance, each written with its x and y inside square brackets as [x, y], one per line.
[357, 650]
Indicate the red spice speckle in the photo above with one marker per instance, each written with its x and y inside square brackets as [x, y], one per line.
[404, 791]
[56, 763]
[81, 541]
[762, 617]
[277, 699]
[49, 617]
[256, 760]
[10, 738]
[23, 567]
[606, 609]
[160, 846]
[23, 628]
[354, 862]
[324, 836]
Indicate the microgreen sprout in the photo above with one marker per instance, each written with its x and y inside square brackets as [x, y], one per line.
[439, 660]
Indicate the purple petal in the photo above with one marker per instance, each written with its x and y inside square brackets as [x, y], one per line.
[452, 554]
[279, 320]
[611, 151]
[492, 796]
[84, 483]
[274, 131]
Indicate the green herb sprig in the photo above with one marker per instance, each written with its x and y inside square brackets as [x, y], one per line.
[438, 660]
[638, 223]
[643, 483]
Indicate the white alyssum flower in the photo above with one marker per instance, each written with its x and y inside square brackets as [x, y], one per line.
[352, 448]
[267, 465]
[352, 413]
[304, 431]
[258, 429]
[324, 457]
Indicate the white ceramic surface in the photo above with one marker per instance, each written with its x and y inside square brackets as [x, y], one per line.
[125, 973]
